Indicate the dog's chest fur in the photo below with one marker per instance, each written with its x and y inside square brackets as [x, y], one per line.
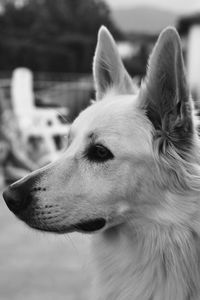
[162, 266]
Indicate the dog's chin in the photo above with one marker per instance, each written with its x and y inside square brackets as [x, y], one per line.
[88, 226]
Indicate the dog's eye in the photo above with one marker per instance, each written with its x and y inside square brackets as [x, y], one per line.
[99, 153]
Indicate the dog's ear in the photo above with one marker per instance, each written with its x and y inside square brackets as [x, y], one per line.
[108, 68]
[165, 94]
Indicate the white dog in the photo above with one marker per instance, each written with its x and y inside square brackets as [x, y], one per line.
[131, 175]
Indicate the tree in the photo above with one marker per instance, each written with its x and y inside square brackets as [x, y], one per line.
[49, 35]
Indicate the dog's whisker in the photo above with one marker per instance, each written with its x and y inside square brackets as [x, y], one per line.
[68, 237]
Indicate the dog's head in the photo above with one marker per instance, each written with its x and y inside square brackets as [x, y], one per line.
[124, 151]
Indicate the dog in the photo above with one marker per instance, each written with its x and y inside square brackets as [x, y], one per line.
[131, 176]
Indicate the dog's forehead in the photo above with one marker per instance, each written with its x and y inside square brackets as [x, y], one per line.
[118, 120]
[110, 113]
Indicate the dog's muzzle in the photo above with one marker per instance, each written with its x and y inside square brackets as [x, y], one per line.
[18, 195]
[16, 200]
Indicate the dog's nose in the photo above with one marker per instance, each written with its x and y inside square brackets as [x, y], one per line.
[15, 199]
[19, 195]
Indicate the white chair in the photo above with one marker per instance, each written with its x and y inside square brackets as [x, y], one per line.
[34, 122]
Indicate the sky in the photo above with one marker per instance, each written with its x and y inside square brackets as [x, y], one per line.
[185, 6]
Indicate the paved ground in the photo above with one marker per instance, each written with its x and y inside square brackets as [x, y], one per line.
[38, 266]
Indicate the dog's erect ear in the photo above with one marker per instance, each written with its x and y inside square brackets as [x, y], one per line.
[165, 94]
[108, 68]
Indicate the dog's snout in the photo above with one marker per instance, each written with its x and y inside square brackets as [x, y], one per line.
[15, 199]
[18, 195]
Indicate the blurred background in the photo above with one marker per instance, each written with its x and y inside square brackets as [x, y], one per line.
[46, 54]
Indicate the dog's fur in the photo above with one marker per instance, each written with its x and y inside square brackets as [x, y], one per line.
[146, 186]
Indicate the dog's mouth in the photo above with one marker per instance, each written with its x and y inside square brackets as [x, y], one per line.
[90, 225]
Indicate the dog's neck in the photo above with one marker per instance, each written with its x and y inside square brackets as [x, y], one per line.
[156, 263]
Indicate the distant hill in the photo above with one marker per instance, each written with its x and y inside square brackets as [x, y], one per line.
[143, 19]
